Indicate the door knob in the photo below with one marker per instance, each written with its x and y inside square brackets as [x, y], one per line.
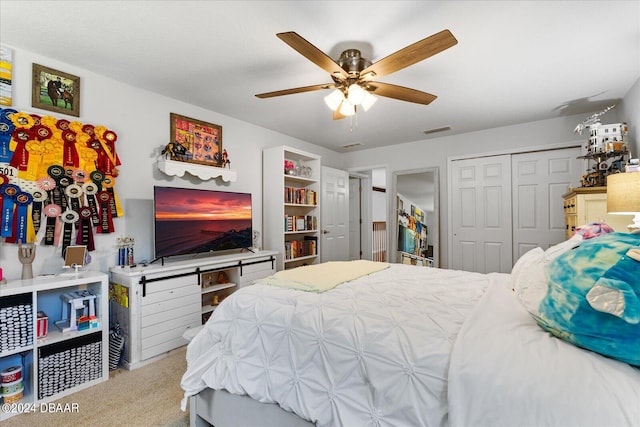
[325, 232]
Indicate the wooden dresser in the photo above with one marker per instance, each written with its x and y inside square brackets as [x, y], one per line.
[584, 205]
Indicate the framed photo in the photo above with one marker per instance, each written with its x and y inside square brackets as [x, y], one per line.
[195, 141]
[55, 90]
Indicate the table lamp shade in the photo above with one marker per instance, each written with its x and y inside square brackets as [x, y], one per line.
[623, 193]
[623, 196]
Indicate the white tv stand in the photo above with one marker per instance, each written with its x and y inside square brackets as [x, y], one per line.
[156, 304]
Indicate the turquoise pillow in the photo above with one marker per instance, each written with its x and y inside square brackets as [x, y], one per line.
[593, 299]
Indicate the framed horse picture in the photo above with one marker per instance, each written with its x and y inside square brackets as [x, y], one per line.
[55, 90]
[195, 141]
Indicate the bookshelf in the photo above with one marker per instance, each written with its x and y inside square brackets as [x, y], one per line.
[291, 192]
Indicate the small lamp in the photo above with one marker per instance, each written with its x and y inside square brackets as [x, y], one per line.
[347, 108]
[623, 196]
[334, 99]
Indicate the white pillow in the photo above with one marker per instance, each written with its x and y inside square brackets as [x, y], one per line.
[555, 251]
[529, 280]
[530, 257]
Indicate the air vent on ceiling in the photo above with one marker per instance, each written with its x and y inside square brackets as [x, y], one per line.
[435, 130]
[355, 144]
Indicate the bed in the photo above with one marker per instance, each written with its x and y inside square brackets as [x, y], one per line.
[402, 346]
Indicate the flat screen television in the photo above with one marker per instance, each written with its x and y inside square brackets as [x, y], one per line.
[193, 221]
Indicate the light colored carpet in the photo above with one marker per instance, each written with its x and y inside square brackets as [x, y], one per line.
[147, 396]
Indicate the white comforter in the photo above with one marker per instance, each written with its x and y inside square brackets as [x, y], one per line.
[506, 371]
[373, 351]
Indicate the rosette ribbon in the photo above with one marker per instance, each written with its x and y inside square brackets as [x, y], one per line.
[58, 174]
[22, 228]
[74, 191]
[6, 131]
[70, 157]
[85, 228]
[52, 212]
[20, 157]
[9, 193]
[90, 190]
[39, 197]
[109, 184]
[106, 220]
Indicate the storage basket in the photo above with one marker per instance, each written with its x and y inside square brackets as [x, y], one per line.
[116, 345]
[16, 322]
[67, 364]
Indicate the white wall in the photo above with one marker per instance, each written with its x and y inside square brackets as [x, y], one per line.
[378, 198]
[141, 121]
[436, 152]
[630, 113]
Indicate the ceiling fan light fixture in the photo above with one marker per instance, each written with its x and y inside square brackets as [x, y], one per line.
[334, 99]
[356, 94]
[368, 101]
[347, 108]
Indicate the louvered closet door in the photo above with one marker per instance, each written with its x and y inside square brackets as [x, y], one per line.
[481, 214]
[539, 181]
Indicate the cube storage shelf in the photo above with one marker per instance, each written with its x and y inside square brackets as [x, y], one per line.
[59, 363]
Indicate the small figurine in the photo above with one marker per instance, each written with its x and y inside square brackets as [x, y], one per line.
[26, 255]
[225, 159]
[175, 150]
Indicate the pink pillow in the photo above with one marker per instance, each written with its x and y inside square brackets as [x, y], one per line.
[594, 229]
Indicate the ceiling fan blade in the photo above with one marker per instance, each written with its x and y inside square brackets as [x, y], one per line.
[409, 55]
[336, 113]
[400, 92]
[313, 54]
[296, 90]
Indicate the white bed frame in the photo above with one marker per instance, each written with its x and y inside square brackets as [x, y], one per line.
[223, 409]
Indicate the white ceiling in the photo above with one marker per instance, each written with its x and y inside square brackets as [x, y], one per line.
[515, 61]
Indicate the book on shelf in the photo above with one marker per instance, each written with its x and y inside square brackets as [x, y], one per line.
[300, 196]
[301, 248]
[300, 222]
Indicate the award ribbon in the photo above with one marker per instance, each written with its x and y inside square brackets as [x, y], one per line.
[70, 157]
[97, 177]
[57, 173]
[79, 175]
[63, 124]
[74, 191]
[39, 197]
[91, 189]
[21, 223]
[85, 233]
[106, 221]
[6, 131]
[52, 212]
[9, 192]
[20, 157]
[109, 184]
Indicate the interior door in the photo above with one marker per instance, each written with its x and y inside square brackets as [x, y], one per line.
[335, 215]
[539, 181]
[481, 214]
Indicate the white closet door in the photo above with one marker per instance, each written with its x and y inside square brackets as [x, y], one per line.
[481, 214]
[539, 181]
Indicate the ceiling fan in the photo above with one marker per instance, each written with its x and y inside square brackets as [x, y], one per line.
[355, 78]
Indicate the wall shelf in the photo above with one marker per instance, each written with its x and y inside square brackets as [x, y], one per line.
[176, 168]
